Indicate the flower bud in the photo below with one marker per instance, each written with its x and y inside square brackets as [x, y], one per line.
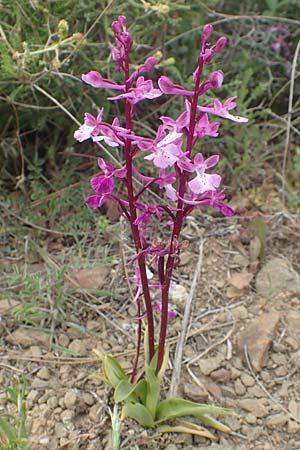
[122, 21]
[220, 44]
[207, 32]
[216, 79]
[116, 27]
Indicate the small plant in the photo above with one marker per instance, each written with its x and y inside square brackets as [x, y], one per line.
[13, 434]
[181, 173]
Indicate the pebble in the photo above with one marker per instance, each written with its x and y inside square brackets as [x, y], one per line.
[63, 340]
[196, 393]
[239, 313]
[293, 343]
[293, 427]
[247, 380]
[294, 408]
[60, 430]
[250, 418]
[44, 373]
[235, 373]
[33, 395]
[94, 413]
[52, 402]
[78, 346]
[209, 365]
[239, 387]
[70, 399]
[254, 406]
[257, 336]
[277, 420]
[221, 375]
[67, 415]
[88, 399]
[171, 447]
[35, 351]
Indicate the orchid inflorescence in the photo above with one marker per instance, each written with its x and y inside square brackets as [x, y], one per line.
[182, 175]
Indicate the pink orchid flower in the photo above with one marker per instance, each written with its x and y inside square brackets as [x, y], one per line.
[143, 90]
[90, 126]
[204, 182]
[221, 110]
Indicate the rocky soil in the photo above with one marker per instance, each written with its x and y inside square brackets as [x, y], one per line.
[243, 349]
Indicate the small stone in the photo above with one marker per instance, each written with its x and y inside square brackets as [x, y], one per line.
[94, 412]
[279, 359]
[44, 373]
[220, 375]
[70, 399]
[88, 399]
[254, 406]
[235, 373]
[92, 278]
[67, 416]
[44, 441]
[93, 325]
[33, 396]
[35, 351]
[63, 340]
[26, 337]
[239, 387]
[293, 343]
[293, 427]
[247, 380]
[60, 430]
[277, 420]
[257, 337]
[239, 313]
[281, 371]
[52, 402]
[209, 365]
[171, 447]
[294, 408]
[78, 346]
[178, 295]
[277, 276]
[250, 418]
[295, 359]
[196, 393]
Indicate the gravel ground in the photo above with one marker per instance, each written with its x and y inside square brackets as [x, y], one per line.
[242, 351]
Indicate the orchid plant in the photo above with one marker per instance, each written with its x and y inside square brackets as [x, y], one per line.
[183, 176]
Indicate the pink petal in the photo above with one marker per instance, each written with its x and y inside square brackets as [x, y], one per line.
[96, 80]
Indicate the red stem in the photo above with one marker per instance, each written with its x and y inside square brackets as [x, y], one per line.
[135, 229]
[177, 225]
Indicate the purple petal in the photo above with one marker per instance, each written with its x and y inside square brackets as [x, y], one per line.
[96, 80]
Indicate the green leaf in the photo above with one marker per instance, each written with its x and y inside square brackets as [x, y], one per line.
[130, 392]
[138, 412]
[8, 430]
[153, 390]
[113, 371]
[212, 422]
[187, 427]
[178, 407]
[164, 365]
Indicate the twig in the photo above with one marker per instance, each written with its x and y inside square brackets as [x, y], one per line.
[264, 389]
[185, 325]
[289, 119]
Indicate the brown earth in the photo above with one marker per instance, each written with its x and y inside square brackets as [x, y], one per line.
[243, 349]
